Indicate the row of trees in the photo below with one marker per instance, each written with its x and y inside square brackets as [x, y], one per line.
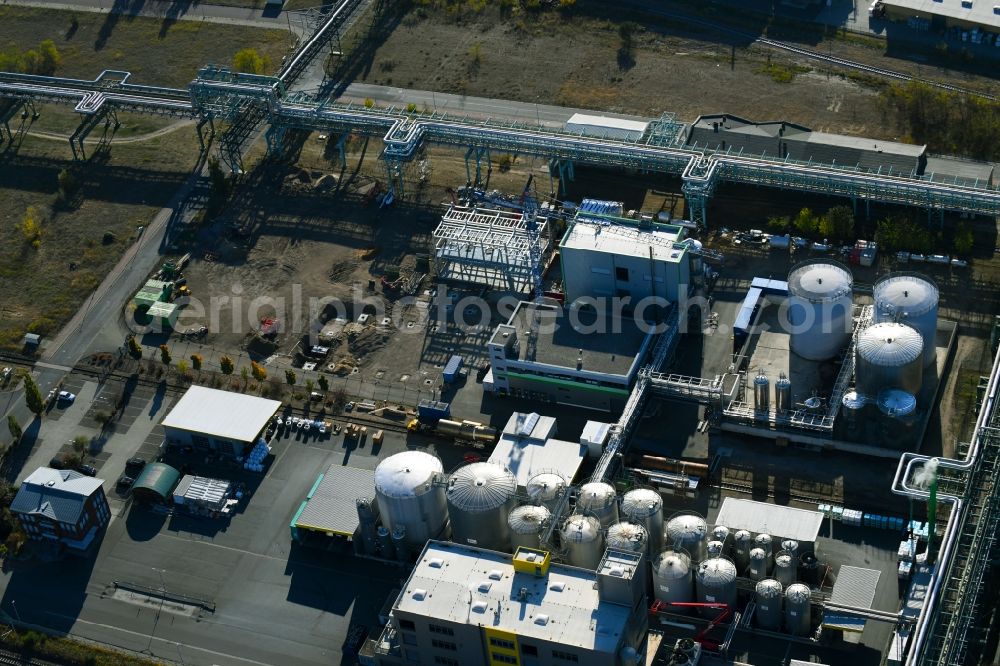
[837, 224]
[906, 232]
[45, 59]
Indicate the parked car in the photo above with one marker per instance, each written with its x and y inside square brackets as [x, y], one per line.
[57, 463]
[66, 396]
[124, 482]
[319, 351]
[89, 470]
[959, 263]
[349, 407]
[938, 259]
[917, 258]
[133, 466]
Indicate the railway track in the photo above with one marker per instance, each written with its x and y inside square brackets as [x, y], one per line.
[747, 489]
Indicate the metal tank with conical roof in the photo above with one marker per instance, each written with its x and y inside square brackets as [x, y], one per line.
[853, 409]
[598, 499]
[742, 545]
[888, 355]
[819, 309]
[715, 582]
[769, 596]
[910, 299]
[481, 496]
[644, 506]
[897, 416]
[525, 525]
[410, 491]
[785, 566]
[798, 609]
[688, 532]
[760, 564]
[764, 541]
[583, 541]
[628, 537]
[673, 579]
[545, 488]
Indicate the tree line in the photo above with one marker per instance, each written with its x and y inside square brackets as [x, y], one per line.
[44, 60]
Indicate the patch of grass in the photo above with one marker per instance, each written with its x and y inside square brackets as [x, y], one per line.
[157, 52]
[67, 650]
[783, 73]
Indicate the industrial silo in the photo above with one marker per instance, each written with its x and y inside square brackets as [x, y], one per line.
[672, 577]
[742, 544]
[627, 536]
[385, 547]
[480, 498]
[367, 520]
[783, 394]
[797, 609]
[715, 582]
[599, 500]
[714, 549]
[784, 568]
[819, 309]
[409, 487]
[583, 541]
[525, 524]
[399, 543]
[545, 489]
[720, 533]
[911, 300]
[645, 507]
[764, 542]
[791, 546]
[688, 532]
[769, 597]
[760, 564]
[897, 417]
[888, 355]
[853, 407]
[761, 393]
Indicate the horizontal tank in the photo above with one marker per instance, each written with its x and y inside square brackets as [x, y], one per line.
[912, 300]
[798, 607]
[769, 595]
[888, 355]
[546, 488]
[715, 582]
[410, 491]
[644, 506]
[480, 498]
[469, 431]
[583, 541]
[819, 309]
[627, 536]
[599, 500]
[525, 524]
[673, 580]
[688, 532]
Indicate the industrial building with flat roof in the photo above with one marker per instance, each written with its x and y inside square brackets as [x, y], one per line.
[964, 14]
[616, 257]
[465, 605]
[572, 356]
[527, 447]
[222, 421]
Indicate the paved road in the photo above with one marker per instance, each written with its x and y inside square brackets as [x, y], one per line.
[162, 9]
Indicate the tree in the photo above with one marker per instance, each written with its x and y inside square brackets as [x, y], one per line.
[779, 224]
[245, 375]
[67, 183]
[80, 444]
[31, 226]
[165, 355]
[310, 384]
[324, 384]
[226, 365]
[290, 377]
[964, 239]
[196, 361]
[182, 366]
[249, 61]
[134, 349]
[48, 58]
[838, 223]
[33, 396]
[257, 371]
[805, 222]
[15, 428]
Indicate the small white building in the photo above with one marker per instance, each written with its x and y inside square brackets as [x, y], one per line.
[618, 258]
[606, 127]
[223, 421]
[528, 447]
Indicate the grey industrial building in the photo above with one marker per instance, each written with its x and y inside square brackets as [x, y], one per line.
[465, 605]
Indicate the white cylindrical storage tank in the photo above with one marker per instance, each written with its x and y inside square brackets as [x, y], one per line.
[784, 568]
[525, 524]
[852, 412]
[760, 564]
[761, 393]
[673, 579]
[627, 536]
[480, 498]
[409, 487]
[791, 546]
[742, 544]
[764, 542]
[545, 489]
[783, 395]
[888, 355]
[599, 500]
[912, 300]
[714, 549]
[715, 582]
[688, 532]
[644, 506]
[583, 541]
[897, 417]
[769, 596]
[798, 609]
[819, 309]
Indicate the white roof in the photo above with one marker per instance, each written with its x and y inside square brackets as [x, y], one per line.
[783, 522]
[202, 489]
[531, 426]
[221, 413]
[624, 240]
[605, 121]
[470, 586]
[527, 457]
[595, 431]
[986, 12]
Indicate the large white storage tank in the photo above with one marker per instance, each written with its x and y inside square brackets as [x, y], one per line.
[410, 491]
[583, 541]
[912, 300]
[819, 309]
[525, 524]
[673, 580]
[545, 489]
[688, 532]
[480, 498]
[715, 582]
[798, 619]
[888, 355]
[599, 500]
[645, 507]
[628, 537]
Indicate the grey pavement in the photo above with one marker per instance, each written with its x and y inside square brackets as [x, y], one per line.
[160, 10]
